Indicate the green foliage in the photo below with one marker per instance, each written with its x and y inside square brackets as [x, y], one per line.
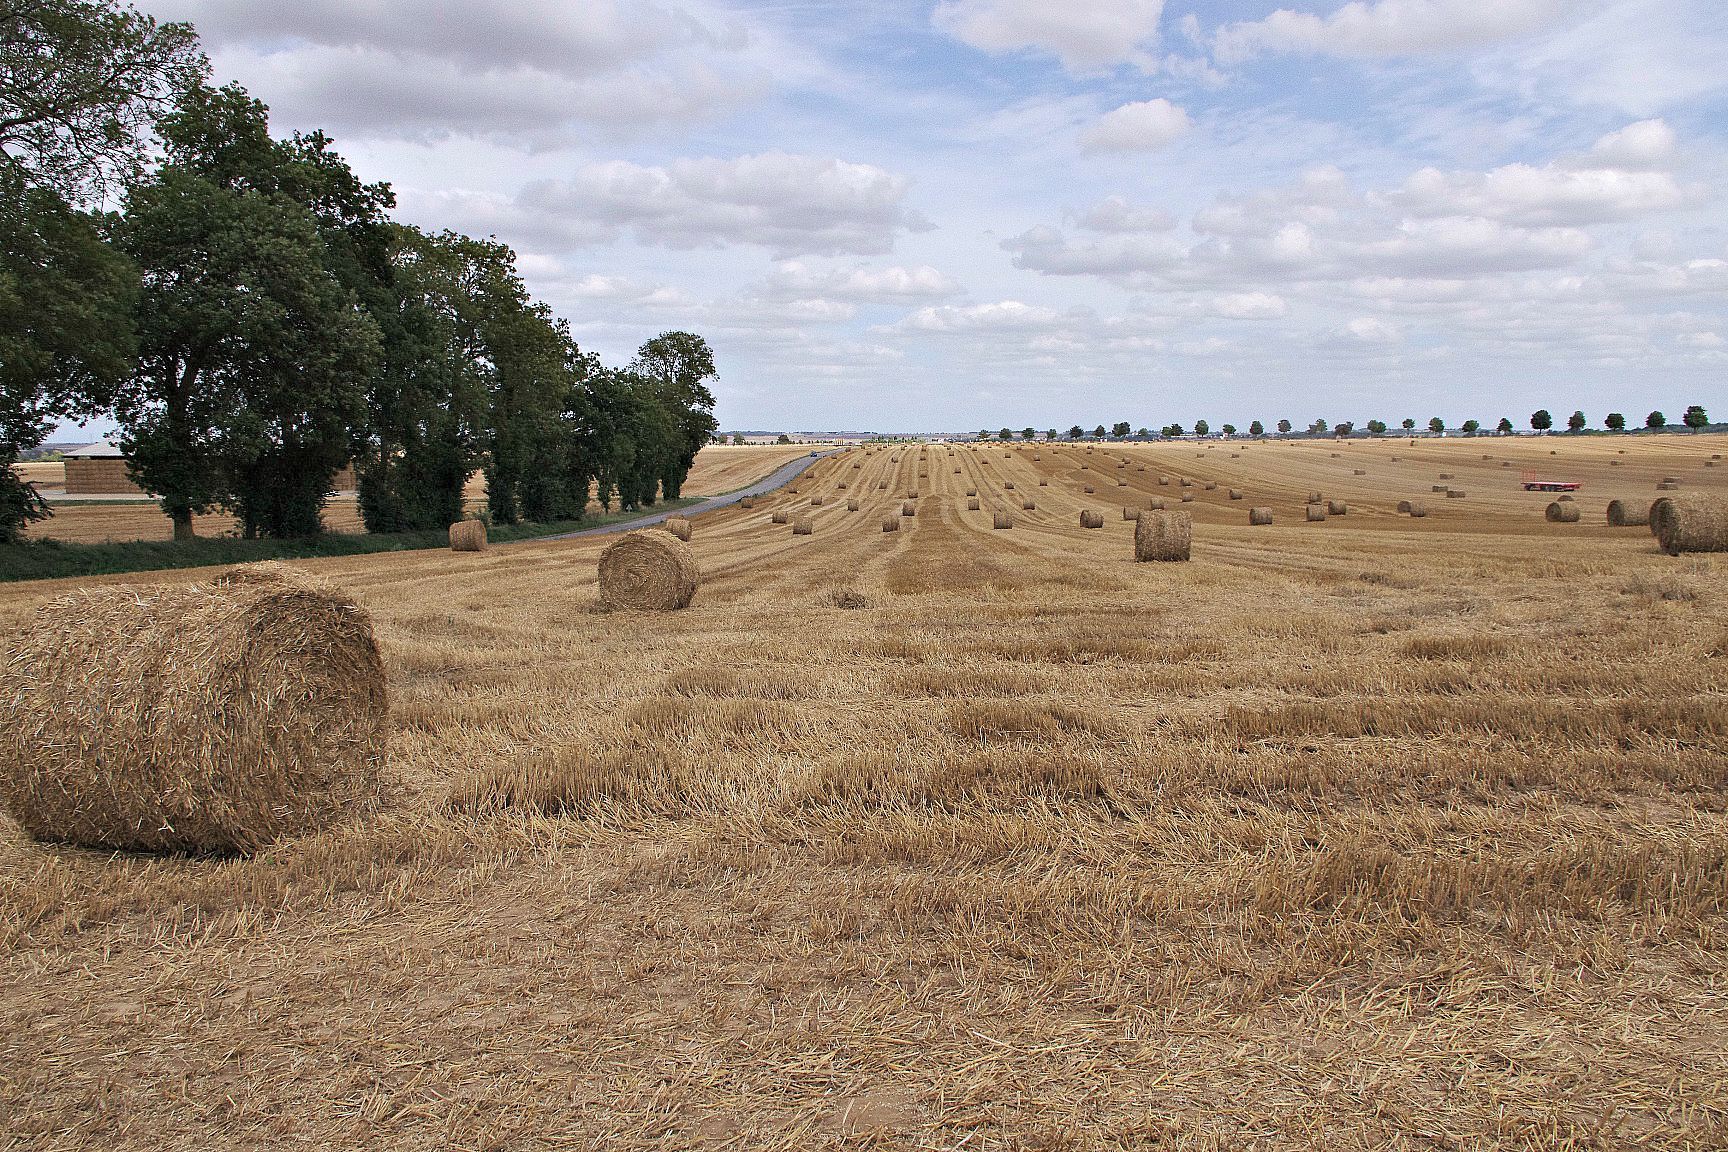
[1377, 427]
[1504, 426]
[1229, 429]
[1098, 432]
[1119, 429]
[1256, 429]
[1471, 427]
[1284, 426]
[1541, 420]
[1436, 425]
[1006, 434]
[1615, 422]
[81, 83]
[1695, 417]
[679, 366]
[1201, 428]
[1576, 422]
[1409, 424]
[1076, 432]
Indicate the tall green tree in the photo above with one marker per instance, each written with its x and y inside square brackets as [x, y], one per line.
[681, 365]
[1695, 417]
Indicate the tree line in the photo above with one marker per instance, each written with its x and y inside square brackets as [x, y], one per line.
[1695, 418]
[253, 321]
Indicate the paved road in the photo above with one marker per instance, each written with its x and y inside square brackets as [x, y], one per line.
[762, 487]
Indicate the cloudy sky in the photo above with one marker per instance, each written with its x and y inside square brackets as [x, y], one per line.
[898, 215]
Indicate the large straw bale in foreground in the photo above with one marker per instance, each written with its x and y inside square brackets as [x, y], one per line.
[179, 717]
[1695, 522]
[651, 571]
[1163, 536]
[468, 536]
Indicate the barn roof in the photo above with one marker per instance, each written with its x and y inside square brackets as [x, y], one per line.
[101, 450]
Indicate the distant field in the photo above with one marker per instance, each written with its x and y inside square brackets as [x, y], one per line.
[717, 469]
[1376, 832]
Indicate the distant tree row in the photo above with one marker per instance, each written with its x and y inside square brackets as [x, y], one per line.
[1541, 421]
[253, 321]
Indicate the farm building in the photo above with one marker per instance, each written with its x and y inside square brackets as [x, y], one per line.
[100, 469]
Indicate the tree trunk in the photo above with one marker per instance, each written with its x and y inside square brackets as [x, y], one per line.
[183, 526]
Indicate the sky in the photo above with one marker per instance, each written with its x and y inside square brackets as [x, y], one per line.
[903, 216]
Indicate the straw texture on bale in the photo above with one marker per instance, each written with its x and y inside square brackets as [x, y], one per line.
[1337, 507]
[1436, 487]
[1316, 513]
[803, 526]
[1155, 505]
[1008, 485]
[908, 509]
[1695, 522]
[1455, 494]
[971, 491]
[1260, 515]
[1418, 509]
[650, 571]
[815, 501]
[778, 517]
[1315, 497]
[1043, 483]
[881, 483]
[1130, 513]
[1562, 513]
[1163, 536]
[1091, 518]
[1211, 486]
[679, 527]
[1235, 493]
[468, 536]
[890, 523]
[972, 504]
[747, 503]
[1403, 506]
[1028, 505]
[1090, 490]
[1627, 513]
[851, 505]
[1164, 480]
[1358, 471]
[1187, 497]
[210, 718]
[1001, 520]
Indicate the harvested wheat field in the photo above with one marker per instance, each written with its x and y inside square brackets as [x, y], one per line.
[1376, 832]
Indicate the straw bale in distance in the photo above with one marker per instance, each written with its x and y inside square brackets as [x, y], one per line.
[1164, 480]
[1627, 513]
[803, 526]
[1316, 513]
[778, 516]
[1211, 485]
[851, 505]
[1695, 522]
[1337, 507]
[1358, 471]
[1029, 505]
[1130, 513]
[972, 504]
[890, 523]
[1315, 497]
[1562, 513]
[648, 571]
[1001, 520]
[1155, 505]
[1163, 536]
[1091, 518]
[468, 535]
[1260, 515]
[1090, 490]
[1418, 509]
[1008, 485]
[815, 501]
[679, 527]
[1235, 493]
[908, 509]
[971, 491]
[1437, 488]
[216, 717]
[747, 502]
[1187, 497]
[1403, 506]
[1455, 494]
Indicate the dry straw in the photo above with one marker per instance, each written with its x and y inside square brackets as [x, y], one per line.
[679, 527]
[1260, 515]
[815, 501]
[890, 523]
[1163, 536]
[1316, 513]
[210, 718]
[1235, 493]
[1187, 497]
[1315, 497]
[1091, 518]
[908, 509]
[1001, 520]
[1627, 514]
[851, 505]
[1418, 509]
[1155, 505]
[1090, 490]
[778, 516]
[1028, 505]
[1337, 507]
[649, 571]
[1403, 506]
[803, 526]
[468, 536]
[1164, 480]
[1130, 513]
[1211, 485]
[1695, 522]
[1008, 485]
[1560, 512]
[1455, 494]
[971, 491]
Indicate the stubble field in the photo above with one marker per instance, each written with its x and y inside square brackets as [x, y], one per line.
[1376, 832]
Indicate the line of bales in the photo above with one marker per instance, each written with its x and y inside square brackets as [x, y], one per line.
[267, 716]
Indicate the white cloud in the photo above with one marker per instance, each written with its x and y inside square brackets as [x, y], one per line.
[1250, 305]
[1369, 330]
[1469, 246]
[1000, 316]
[1646, 144]
[794, 205]
[872, 284]
[1115, 214]
[1145, 126]
[1388, 27]
[1087, 36]
[1701, 340]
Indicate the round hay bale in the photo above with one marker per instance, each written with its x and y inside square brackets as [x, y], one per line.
[1187, 483]
[1566, 499]
[1447, 476]
[216, 717]
[880, 484]
[793, 490]
[1001, 520]
[1418, 509]
[815, 501]
[1187, 497]
[468, 536]
[1130, 513]
[1403, 506]
[1028, 505]
[1695, 522]
[1336, 508]
[1211, 485]
[778, 516]
[1316, 513]
[1121, 483]
[1437, 488]
[1007, 485]
[679, 527]
[803, 526]
[908, 509]
[1260, 515]
[851, 505]
[1090, 490]
[1164, 480]
[1090, 518]
[1364, 471]
[1562, 513]
[971, 491]
[1235, 493]
[747, 502]
[972, 504]
[649, 571]
[1659, 510]
[1155, 505]
[1043, 483]
[1163, 536]
[1455, 494]
[1627, 514]
[956, 471]
[890, 523]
